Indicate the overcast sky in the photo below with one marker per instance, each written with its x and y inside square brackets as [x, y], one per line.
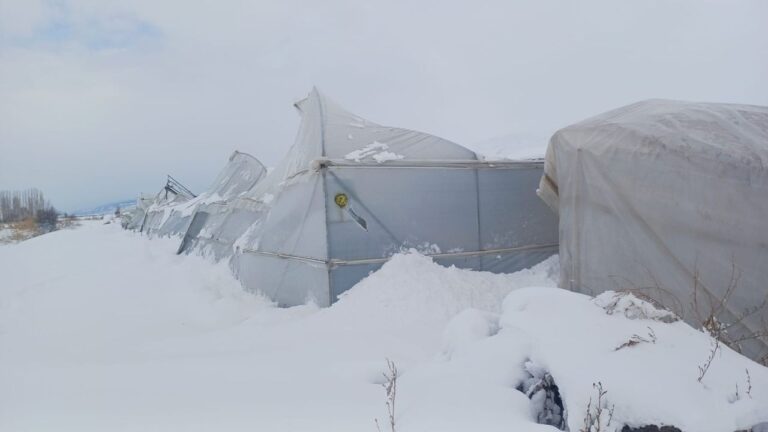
[100, 99]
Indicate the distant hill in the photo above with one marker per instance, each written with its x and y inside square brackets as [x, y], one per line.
[108, 208]
[512, 147]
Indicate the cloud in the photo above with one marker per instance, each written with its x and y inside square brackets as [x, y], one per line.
[100, 99]
[55, 25]
[22, 17]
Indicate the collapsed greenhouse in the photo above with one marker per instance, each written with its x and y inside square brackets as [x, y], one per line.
[350, 193]
[669, 199]
[162, 217]
[661, 197]
[131, 219]
[175, 205]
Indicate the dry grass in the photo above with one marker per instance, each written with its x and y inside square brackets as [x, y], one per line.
[24, 230]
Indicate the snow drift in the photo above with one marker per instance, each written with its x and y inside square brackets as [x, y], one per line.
[102, 329]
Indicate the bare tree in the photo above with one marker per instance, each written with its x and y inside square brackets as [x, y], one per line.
[16, 206]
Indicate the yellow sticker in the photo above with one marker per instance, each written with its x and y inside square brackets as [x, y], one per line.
[341, 200]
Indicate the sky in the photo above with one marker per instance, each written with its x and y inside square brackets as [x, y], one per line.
[100, 99]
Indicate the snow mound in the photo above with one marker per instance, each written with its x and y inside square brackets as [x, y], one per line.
[412, 285]
[571, 338]
[654, 382]
[467, 328]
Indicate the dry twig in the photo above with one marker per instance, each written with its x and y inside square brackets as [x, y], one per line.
[593, 419]
[390, 387]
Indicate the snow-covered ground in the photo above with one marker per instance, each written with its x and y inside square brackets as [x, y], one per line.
[104, 330]
[6, 234]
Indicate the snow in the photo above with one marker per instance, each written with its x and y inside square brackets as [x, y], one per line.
[386, 156]
[102, 329]
[515, 146]
[652, 382]
[185, 208]
[632, 307]
[6, 234]
[376, 150]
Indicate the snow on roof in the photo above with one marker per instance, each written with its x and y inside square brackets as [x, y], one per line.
[328, 131]
[513, 146]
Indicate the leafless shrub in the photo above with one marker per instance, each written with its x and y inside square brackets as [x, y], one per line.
[390, 387]
[710, 311]
[598, 417]
[636, 339]
[47, 217]
[67, 223]
[705, 366]
[737, 395]
[763, 360]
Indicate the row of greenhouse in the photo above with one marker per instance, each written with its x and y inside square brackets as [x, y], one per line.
[663, 198]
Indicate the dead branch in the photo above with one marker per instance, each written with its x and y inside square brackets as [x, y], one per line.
[709, 312]
[636, 339]
[390, 387]
[705, 367]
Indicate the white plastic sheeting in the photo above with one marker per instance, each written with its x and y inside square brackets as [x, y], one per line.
[173, 216]
[661, 195]
[289, 238]
[133, 218]
[158, 214]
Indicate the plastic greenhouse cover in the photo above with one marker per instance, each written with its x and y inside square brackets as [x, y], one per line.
[661, 196]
